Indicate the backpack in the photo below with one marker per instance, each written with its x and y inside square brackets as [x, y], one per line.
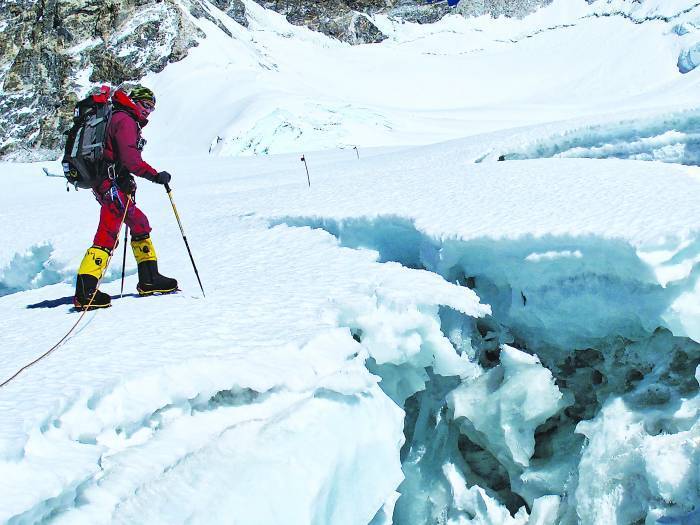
[83, 164]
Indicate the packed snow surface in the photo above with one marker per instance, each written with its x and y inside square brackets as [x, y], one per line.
[422, 335]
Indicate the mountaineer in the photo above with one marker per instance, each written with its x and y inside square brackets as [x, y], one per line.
[116, 186]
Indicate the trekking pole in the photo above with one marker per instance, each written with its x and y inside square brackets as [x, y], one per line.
[303, 159]
[184, 238]
[126, 232]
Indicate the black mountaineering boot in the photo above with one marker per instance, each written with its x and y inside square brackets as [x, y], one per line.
[150, 281]
[84, 289]
[87, 296]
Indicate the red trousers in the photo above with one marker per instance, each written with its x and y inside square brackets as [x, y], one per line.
[112, 205]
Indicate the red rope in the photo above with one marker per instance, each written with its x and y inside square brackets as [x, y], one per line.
[85, 310]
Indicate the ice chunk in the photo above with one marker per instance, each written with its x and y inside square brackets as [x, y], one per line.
[401, 332]
[625, 472]
[503, 407]
[544, 511]
[475, 506]
[689, 58]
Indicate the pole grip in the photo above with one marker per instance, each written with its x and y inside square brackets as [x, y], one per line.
[167, 187]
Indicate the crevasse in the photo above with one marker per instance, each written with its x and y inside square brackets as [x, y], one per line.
[564, 405]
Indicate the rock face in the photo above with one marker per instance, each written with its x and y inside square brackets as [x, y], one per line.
[50, 50]
[344, 20]
[233, 8]
[496, 8]
[420, 12]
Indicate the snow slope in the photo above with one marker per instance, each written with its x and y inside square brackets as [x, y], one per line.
[280, 88]
[497, 342]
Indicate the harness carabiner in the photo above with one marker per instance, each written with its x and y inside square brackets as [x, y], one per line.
[113, 194]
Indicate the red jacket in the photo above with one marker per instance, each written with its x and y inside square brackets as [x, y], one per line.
[123, 137]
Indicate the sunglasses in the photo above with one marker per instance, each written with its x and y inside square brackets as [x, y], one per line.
[147, 104]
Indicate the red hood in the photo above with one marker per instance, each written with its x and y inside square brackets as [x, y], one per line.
[123, 102]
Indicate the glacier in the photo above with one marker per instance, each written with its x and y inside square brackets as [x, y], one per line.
[425, 335]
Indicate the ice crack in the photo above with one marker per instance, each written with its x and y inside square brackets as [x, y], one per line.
[523, 422]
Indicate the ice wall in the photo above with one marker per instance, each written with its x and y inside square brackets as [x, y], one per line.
[670, 138]
[32, 269]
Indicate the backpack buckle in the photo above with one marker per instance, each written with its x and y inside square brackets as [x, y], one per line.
[111, 172]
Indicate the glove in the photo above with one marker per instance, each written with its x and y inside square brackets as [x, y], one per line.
[163, 177]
